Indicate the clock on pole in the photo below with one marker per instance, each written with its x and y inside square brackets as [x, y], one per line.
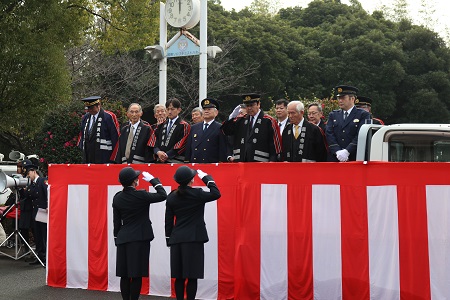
[183, 14]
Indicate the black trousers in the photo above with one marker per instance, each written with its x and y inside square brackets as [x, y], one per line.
[40, 239]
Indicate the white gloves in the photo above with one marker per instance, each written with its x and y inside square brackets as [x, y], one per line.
[201, 174]
[147, 176]
[235, 112]
[342, 155]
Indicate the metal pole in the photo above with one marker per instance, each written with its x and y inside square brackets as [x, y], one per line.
[203, 72]
[162, 62]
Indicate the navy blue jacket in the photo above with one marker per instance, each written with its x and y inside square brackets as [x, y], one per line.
[209, 146]
[344, 134]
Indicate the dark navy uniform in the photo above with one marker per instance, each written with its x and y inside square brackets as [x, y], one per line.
[37, 193]
[209, 146]
[308, 147]
[344, 134]
[140, 152]
[99, 142]
[185, 225]
[133, 228]
[207, 143]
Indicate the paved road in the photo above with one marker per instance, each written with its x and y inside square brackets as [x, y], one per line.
[19, 280]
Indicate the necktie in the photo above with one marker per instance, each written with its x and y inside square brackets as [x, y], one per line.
[169, 126]
[345, 116]
[296, 131]
[205, 127]
[91, 125]
[279, 125]
[250, 124]
[129, 142]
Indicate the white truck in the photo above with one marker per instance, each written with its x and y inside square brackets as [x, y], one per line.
[404, 143]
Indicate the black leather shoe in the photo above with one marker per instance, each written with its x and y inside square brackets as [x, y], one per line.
[35, 262]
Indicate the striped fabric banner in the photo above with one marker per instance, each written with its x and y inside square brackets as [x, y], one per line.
[376, 235]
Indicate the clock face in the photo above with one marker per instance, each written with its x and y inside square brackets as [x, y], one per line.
[182, 13]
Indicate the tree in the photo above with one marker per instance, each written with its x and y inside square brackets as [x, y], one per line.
[33, 72]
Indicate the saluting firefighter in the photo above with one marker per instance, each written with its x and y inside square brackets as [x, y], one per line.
[99, 133]
[206, 142]
[256, 136]
[186, 230]
[135, 137]
[343, 125]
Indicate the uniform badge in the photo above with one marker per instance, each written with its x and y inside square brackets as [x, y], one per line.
[300, 152]
[258, 121]
[98, 140]
[99, 119]
[254, 141]
[356, 120]
[242, 141]
[302, 141]
[302, 135]
[256, 130]
[195, 135]
[246, 122]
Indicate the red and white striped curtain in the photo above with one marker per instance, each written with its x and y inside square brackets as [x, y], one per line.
[279, 231]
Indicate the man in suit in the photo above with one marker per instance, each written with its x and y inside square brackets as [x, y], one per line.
[134, 139]
[302, 140]
[37, 193]
[281, 113]
[171, 136]
[185, 229]
[133, 229]
[256, 136]
[343, 125]
[206, 142]
[315, 115]
[366, 104]
[99, 133]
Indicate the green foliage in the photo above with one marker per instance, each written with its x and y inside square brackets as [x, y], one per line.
[33, 70]
[56, 142]
[127, 25]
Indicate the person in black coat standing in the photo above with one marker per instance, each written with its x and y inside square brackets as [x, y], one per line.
[133, 229]
[37, 195]
[186, 230]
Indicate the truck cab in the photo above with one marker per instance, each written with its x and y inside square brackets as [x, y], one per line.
[404, 143]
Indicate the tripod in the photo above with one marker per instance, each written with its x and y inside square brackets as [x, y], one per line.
[17, 235]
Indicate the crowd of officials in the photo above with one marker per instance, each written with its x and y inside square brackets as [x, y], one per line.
[297, 134]
[248, 135]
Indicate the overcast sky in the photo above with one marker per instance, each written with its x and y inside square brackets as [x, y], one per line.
[441, 8]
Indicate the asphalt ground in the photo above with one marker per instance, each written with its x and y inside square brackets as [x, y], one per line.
[19, 280]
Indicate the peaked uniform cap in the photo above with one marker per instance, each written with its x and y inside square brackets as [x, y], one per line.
[342, 90]
[210, 103]
[92, 100]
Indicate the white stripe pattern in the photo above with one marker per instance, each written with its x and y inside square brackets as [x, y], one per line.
[274, 252]
[326, 228]
[384, 265]
[77, 236]
[438, 210]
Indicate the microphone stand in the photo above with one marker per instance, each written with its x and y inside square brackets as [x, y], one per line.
[17, 235]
